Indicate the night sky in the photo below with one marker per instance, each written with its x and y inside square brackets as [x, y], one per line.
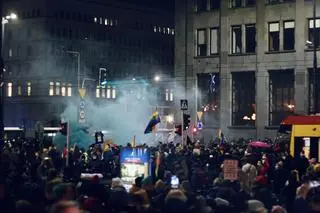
[162, 4]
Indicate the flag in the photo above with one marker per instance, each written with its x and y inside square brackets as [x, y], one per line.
[155, 119]
[221, 136]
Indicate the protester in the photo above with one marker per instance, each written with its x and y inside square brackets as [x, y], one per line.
[35, 179]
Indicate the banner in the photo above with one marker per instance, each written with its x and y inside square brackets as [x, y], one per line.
[134, 163]
[230, 169]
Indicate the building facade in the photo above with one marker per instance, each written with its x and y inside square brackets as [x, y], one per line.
[52, 42]
[251, 61]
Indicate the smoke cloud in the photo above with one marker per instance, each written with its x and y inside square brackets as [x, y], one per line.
[126, 116]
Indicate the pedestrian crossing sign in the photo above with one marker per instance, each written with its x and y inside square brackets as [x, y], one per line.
[183, 104]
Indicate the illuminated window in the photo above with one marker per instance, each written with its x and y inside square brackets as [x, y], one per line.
[106, 22]
[100, 20]
[109, 92]
[19, 90]
[29, 88]
[167, 94]
[111, 22]
[69, 91]
[10, 52]
[9, 91]
[63, 90]
[98, 92]
[168, 30]
[51, 89]
[171, 95]
[113, 92]
[103, 93]
[155, 29]
[57, 88]
[172, 32]
[95, 19]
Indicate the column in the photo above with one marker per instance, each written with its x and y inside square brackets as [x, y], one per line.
[225, 77]
[262, 86]
[300, 90]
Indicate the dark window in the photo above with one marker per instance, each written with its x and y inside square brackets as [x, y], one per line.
[243, 98]
[251, 38]
[209, 98]
[250, 2]
[62, 14]
[67, 15]
[38, 12]
[236, 36]
[312, 92]
[64, 32]
[201, 5]
[274, 40]
[288, 35]
[29, 51]
[236, 3]
[315, 40]
[29, 32]
[281, 95]
[201, 42]
[215, 4]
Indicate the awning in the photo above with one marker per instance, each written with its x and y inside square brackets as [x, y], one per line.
[301, 120]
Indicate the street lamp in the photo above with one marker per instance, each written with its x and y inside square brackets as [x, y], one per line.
[157, 78]
[78, 57]
[4, 20]
[102, 82]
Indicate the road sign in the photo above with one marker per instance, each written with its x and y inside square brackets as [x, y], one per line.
[82, 92]
[199, 125]
[82, 104]
[183, 104]
[199, 114]
[82, 116]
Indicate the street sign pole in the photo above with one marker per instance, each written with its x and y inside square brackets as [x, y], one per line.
[183, 107]
[182, 127]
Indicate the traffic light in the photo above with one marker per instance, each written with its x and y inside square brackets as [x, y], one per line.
[194, 130]
[178, 130]
[64, 128]
[186, 121]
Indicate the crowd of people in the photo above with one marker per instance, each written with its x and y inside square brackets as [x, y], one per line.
[42, 179]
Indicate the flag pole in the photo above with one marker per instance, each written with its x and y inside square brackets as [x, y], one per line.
[68, 144]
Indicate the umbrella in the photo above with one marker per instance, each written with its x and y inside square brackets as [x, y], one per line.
[259, 144]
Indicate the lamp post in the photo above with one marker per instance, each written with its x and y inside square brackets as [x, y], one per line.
[315, 65]
[78, 65]
[4, 20]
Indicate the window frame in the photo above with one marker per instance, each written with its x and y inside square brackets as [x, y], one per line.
[234, 40]
[255, 38]
[201, 9]
[294, 36]
[204, 30]
[273, 119]
[217, 42]
[237, 113]
[269, 35]
[310, 31]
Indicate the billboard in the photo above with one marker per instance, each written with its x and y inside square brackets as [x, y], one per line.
[134, 163]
